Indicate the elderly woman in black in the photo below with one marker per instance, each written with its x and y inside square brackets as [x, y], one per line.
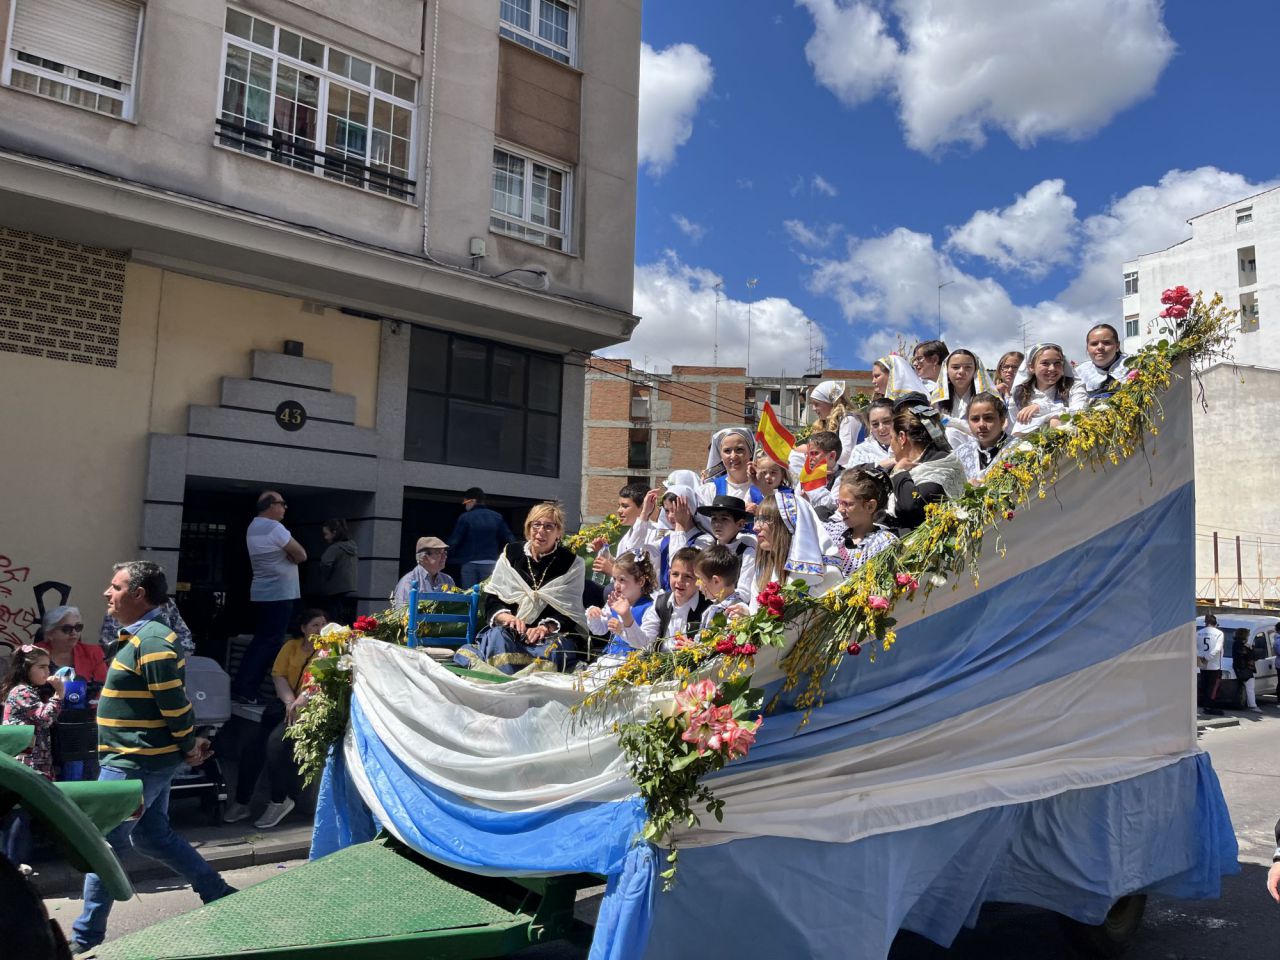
[532, 601]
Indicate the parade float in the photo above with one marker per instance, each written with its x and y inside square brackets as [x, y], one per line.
[998, 709]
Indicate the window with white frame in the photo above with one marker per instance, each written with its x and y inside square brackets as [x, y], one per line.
[314, 107]
[548, 26]
[1244, 215]
[82, 52]
[1130, 283]
[530, 199]
[1131, 325]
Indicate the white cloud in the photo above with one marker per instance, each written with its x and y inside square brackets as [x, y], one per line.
[1052, 68]
[677, 306]
[851, 51]
[811, 237]
[820, 184]
[1037, 231]
[887, 286]
[673, 83]
[694, 231]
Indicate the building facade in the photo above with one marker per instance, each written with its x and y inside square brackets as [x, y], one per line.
[355, 252]
[1233, 250]
[642, 425]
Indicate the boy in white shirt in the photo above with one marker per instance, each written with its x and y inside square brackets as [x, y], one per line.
[719, 573]
[673, 613]
[728, 516]
[636, 505]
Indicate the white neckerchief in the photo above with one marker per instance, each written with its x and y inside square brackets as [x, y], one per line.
[810, 542]
[1093, 376]
[564, 593]
[869, 450]
[946, 472]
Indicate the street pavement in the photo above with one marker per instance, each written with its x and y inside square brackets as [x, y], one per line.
[1242, 925]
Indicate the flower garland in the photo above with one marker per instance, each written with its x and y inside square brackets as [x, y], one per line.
[857, 615]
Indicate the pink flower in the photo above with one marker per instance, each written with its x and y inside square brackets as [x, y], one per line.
[747, 650]
[906, 580]
[1133, 375]
[696, 697]
[733, 738]
[1174, 312]
[725, 644]
[877, 602]
[706, 725]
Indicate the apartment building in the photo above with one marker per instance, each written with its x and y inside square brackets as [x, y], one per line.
[1233, 250]
[642, 425]
[353, 251]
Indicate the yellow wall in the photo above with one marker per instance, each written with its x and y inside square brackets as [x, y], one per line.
[207, 331]
[72, 485]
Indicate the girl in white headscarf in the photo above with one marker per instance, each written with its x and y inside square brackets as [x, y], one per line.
[894, 378]
[728, 470]
[791, 544]
[679, 521]
[1045, 389]
[963, 377]
[828, 401]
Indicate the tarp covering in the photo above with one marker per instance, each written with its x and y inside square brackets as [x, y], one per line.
[1030, 738]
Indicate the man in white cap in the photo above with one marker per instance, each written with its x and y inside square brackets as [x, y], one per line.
[428, 575]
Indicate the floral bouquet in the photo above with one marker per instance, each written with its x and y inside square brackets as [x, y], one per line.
[583, 542]
[707, 726]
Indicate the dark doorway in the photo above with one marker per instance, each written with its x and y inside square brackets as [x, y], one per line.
[214, 574]
[432, 513]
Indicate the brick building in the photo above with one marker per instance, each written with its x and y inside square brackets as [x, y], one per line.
[642, 425]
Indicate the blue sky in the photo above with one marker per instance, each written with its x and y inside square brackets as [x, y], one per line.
[844, 152]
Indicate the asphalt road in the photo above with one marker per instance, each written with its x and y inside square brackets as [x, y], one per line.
[1242, 925]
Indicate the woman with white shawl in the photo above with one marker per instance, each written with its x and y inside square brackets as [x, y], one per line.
[1045, 389]
[728, 470]
[827, 400]
[926, 470]
[532, 602]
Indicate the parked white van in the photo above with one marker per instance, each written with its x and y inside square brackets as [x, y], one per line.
[1231, 693]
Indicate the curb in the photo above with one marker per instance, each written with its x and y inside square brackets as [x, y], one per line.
[1216, 723]
[58, 878]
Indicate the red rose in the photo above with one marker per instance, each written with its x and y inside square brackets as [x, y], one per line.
[1007, 464]
[854, 648]
[906, 580]
[1008, 514]
[772, 587]
[364, 625]
[748, 649]
[724, 645]
[775, 605]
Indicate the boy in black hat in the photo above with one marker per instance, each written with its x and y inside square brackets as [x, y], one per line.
[728, 518]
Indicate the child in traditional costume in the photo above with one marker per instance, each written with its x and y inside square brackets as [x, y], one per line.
[634, 583]
[859, 532]
[1044, 390]
[828, 401]
[674, 613]
[987, 419]
[1105, 370]
[875, 449]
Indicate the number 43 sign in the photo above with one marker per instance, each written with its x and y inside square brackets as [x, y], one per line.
[291, 415]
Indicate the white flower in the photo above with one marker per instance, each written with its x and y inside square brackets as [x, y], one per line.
[331, 628]
[1069, 428]
[937, 579]
[344, 662]
[1024, 447]
[1102, 406]
[961, 513]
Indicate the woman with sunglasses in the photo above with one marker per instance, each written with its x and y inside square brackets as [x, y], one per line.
[62, 634]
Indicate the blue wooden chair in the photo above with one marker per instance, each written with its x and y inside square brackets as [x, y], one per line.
[470, 616]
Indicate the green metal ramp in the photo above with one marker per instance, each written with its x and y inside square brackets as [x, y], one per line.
[372, 901]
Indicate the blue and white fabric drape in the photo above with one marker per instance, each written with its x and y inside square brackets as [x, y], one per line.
[1029, 739]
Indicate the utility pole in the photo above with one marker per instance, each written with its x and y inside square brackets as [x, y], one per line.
[940, 286]
[715, 335]
[751, 285]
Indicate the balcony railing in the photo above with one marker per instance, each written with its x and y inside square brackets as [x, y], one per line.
[281, 148]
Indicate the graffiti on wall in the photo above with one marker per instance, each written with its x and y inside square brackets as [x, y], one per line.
[17, 623]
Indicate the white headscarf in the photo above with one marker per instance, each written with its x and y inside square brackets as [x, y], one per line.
[828, 391]
[684, 483]
[1025, 374]
[981, 382]
[810, 542]
[713, 454]
[902, 378]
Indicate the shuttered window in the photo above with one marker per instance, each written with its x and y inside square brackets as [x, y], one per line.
[83, 52]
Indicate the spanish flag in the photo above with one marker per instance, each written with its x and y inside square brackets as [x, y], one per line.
[814, 474]
[775, 439]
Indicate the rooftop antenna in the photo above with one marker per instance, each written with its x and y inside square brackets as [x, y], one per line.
[718, 287]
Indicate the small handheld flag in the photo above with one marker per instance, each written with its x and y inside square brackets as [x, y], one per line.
[775, 439]
[814, 474]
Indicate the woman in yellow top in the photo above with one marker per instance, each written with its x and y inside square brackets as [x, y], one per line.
[268, 747]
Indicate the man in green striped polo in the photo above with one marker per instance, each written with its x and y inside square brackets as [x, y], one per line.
[146, 732]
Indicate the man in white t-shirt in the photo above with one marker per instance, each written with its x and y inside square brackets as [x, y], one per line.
[275, 556]
[1209, 644]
